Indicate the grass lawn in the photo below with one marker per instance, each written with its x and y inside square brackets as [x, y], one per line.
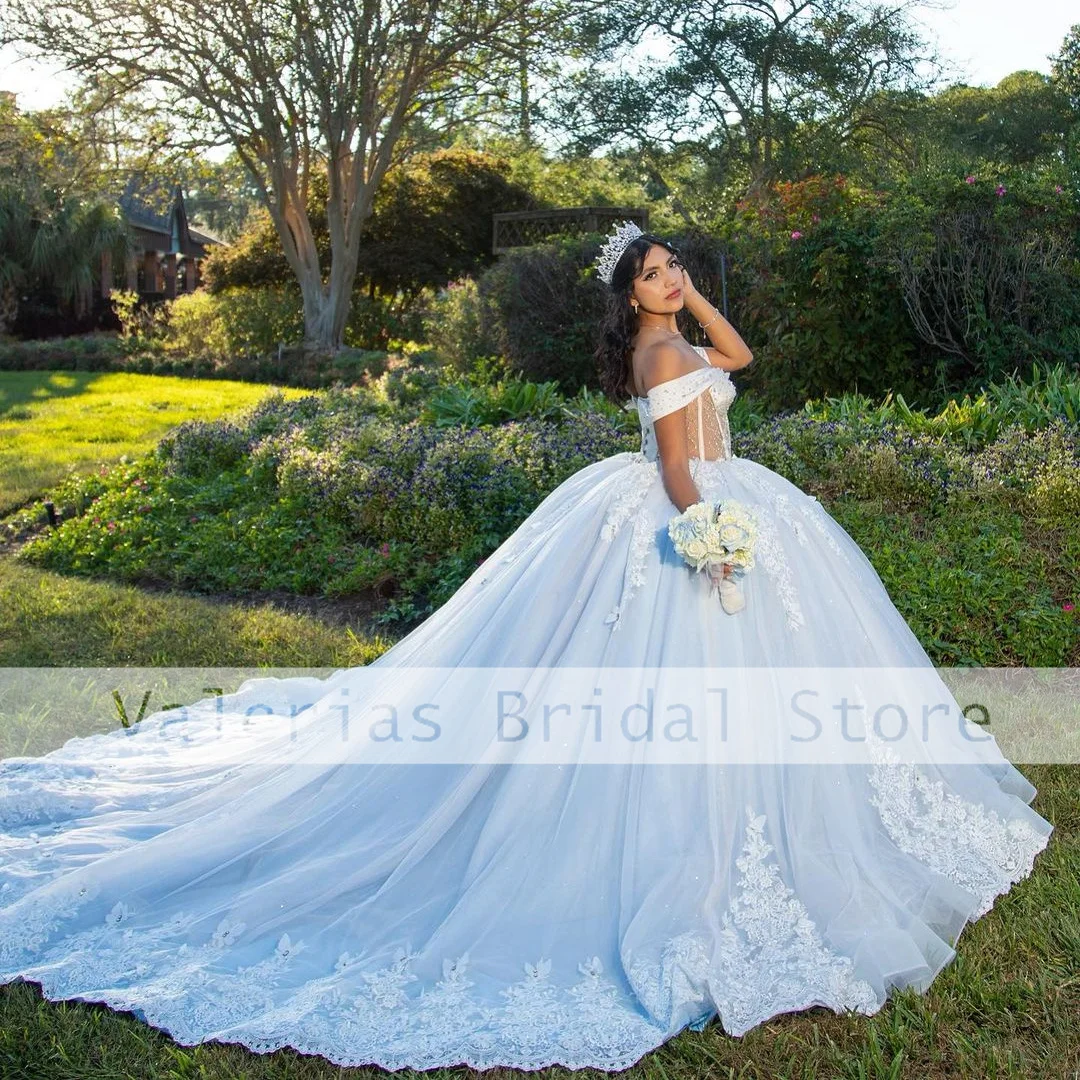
[52, 422]
[49, 620]
[1008, 1005]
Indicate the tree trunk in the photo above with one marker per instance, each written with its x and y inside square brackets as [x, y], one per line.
[326, 304]
[319, 321]
[326, 311]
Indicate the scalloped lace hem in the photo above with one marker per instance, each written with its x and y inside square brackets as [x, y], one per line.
[769, 958]
[572, 1054]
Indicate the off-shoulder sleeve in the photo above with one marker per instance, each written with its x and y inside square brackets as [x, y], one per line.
[673, 394]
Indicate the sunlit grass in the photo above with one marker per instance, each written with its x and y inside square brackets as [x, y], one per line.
[56, 422]
[51, 620]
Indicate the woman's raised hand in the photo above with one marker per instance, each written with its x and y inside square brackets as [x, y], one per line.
[689, 288]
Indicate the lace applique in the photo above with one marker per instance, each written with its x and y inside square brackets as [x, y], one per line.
[812, 511]
[809, 509]
[350, 1016]
[356, 1017]
[26, 798]
[776, 565]
[782, 508]
[778, 502]
[770, 957]
[26, 863]
[642, 538]
[626, 502]
[681, 978]
[926, 821]
[25, 933]
[631, 487]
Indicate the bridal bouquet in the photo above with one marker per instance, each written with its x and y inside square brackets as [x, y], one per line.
[708, 535]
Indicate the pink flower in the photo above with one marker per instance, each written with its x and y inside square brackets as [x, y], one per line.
[969, 179]
[796, 234]
[1067, 606]
[816, 217]
[384, 550]
[97, 521]
[1058, 189]
[1000, 189]
[111, 526]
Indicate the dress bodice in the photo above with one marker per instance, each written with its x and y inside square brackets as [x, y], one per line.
[708, 392]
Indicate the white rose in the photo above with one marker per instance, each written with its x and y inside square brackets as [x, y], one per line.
[733, 535]
[697, 549]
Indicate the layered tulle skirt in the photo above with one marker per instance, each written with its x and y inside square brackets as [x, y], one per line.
[381, 902]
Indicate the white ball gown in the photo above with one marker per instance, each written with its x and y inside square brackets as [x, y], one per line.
[515, 914]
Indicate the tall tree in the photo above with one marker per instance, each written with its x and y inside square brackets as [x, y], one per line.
[1065, 73]
[763, 89]
[299, 86]
[1065, 67]
[1024, 118]
[54, 226]
[98, 141]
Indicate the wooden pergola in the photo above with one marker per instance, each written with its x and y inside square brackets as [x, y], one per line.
[522, 228]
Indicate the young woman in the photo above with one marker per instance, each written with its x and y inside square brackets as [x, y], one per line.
[416, 887]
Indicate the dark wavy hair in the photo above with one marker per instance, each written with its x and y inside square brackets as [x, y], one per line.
[620, 320]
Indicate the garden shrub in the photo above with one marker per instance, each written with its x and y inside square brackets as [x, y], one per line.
[323, 494]
[539, 307]
[345, 491]
[989, 268]
[457, 326]
[82, 352]
[820, 316]
[237, 322]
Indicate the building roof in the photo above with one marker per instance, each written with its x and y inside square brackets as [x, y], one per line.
[157, 231]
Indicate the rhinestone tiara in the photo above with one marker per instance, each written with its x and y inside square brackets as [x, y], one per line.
[613, 249]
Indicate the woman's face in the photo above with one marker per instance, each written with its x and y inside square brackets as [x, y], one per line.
[658, 288]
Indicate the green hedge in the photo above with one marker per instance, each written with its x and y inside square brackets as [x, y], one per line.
[540, 309]
[112, 352]
[928, 291]
[353, 490]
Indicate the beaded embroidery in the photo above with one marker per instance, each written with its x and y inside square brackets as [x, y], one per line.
[925, 821]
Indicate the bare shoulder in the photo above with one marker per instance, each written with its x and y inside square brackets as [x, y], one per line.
[660, 362]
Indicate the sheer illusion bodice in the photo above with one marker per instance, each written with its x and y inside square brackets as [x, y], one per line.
[708, 392]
